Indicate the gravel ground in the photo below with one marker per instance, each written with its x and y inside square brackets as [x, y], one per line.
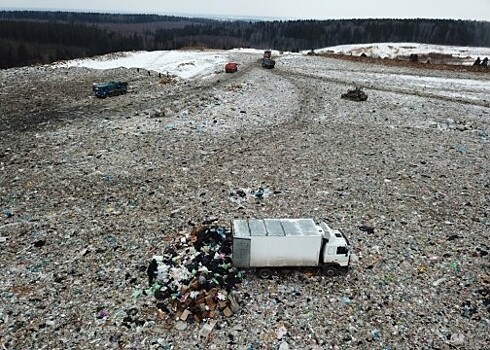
[91, 189]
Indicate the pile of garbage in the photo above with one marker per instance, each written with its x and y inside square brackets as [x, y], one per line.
[355, 95]
[247, 194]
[194, 279]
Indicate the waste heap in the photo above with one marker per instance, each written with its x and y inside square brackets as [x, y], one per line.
[355, 95]
[194, 279]
[246, 194]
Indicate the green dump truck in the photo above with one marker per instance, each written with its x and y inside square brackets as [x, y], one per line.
[112, 88]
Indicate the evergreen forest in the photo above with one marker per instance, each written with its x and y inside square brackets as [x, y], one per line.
[36, 37]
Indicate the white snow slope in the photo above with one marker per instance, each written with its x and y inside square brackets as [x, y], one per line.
[393, 50]
[194, 64]
[184, 64]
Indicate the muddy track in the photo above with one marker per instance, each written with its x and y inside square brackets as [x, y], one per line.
[309, 96]
[203, 85]
[189, 93]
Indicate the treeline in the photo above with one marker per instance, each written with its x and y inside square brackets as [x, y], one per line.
[92, 17]
[25, 43]
[42, 37]
[311, 34]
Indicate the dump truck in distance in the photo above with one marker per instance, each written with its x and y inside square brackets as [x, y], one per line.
[267, 61]
[231, 67]
[265, 244]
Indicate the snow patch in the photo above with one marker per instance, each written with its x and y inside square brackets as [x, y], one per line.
[184, 64]
[394, 50]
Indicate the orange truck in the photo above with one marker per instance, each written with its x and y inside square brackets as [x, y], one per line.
[231, 67]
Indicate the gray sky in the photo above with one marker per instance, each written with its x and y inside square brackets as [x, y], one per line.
[311, 9]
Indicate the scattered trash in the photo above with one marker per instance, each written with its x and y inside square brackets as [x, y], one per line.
[157, 114]
[482, 252]
[207, 328]
[367, 229]
[457, 338]
[247, 194]
[40, 243]
[284, 346]
[452, 237]
[346, 301]
[281, 332]
[376, 334]
[181, 325]
[50, 323]
[102, 314]
[439, 282]
[461, 149]
[483, 135]
[137, 293]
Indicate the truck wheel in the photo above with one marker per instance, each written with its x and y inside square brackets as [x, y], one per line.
[265, 274]
[330, 271]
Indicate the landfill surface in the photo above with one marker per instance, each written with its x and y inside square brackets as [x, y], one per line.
[103, 200]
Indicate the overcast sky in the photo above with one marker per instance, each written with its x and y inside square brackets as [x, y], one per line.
[311, 9]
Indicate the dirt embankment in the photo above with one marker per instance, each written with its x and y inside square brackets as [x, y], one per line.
[420, 63]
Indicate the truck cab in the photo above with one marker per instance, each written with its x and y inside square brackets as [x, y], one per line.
[231, 67]
[335, 253]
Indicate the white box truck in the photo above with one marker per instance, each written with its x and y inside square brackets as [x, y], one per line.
[270, 243]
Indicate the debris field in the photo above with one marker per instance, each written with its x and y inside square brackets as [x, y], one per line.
[114, 212]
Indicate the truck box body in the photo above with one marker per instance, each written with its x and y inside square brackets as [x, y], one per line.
[276, 242]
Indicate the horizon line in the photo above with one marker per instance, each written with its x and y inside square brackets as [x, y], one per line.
[225, 17]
